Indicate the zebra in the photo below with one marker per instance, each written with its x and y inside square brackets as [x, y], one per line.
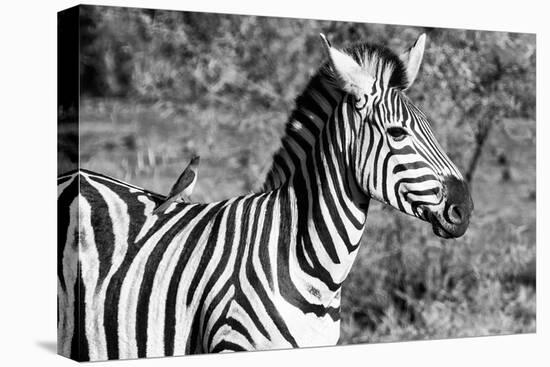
[263, 270]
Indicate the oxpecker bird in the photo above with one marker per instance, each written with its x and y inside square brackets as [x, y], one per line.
[183, 187]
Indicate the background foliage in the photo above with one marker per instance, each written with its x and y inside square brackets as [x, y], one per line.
[158, 86]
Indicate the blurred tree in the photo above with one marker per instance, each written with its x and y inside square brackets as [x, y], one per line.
[183, 61]
[481, 78]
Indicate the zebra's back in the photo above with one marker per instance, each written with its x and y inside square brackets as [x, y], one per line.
[201, 278]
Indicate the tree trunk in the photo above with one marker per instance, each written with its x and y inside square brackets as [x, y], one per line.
[481, 139]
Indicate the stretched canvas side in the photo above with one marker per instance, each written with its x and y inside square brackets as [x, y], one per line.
[70, 313]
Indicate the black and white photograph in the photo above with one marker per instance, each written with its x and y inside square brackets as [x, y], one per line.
[248, 183]
[231, 181]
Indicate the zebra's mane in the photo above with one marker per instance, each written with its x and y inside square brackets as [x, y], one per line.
[378, 60]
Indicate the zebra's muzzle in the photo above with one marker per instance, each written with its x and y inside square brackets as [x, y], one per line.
[440, 231]
[439, 228]
[452, 218]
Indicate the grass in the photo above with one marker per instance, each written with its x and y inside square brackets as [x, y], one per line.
[406, 284]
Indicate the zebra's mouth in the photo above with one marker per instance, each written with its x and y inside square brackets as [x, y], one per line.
[440, 231]
[437, 227]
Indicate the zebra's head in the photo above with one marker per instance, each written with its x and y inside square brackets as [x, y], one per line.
[393, 154]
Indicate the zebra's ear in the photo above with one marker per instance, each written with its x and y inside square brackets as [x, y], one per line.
[351, 77]
[412, 59]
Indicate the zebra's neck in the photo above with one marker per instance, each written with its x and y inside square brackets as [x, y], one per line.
[313, 165]
[313, 109]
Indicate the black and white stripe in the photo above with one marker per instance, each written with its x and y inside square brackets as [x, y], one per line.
[265, 270]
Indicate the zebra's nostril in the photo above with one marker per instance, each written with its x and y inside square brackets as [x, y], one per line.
[456, 213]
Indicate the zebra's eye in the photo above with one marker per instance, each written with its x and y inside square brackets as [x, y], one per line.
[397, 133]
[360, 102]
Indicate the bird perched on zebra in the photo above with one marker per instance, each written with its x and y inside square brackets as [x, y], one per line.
[183, 187]
[264, 270]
